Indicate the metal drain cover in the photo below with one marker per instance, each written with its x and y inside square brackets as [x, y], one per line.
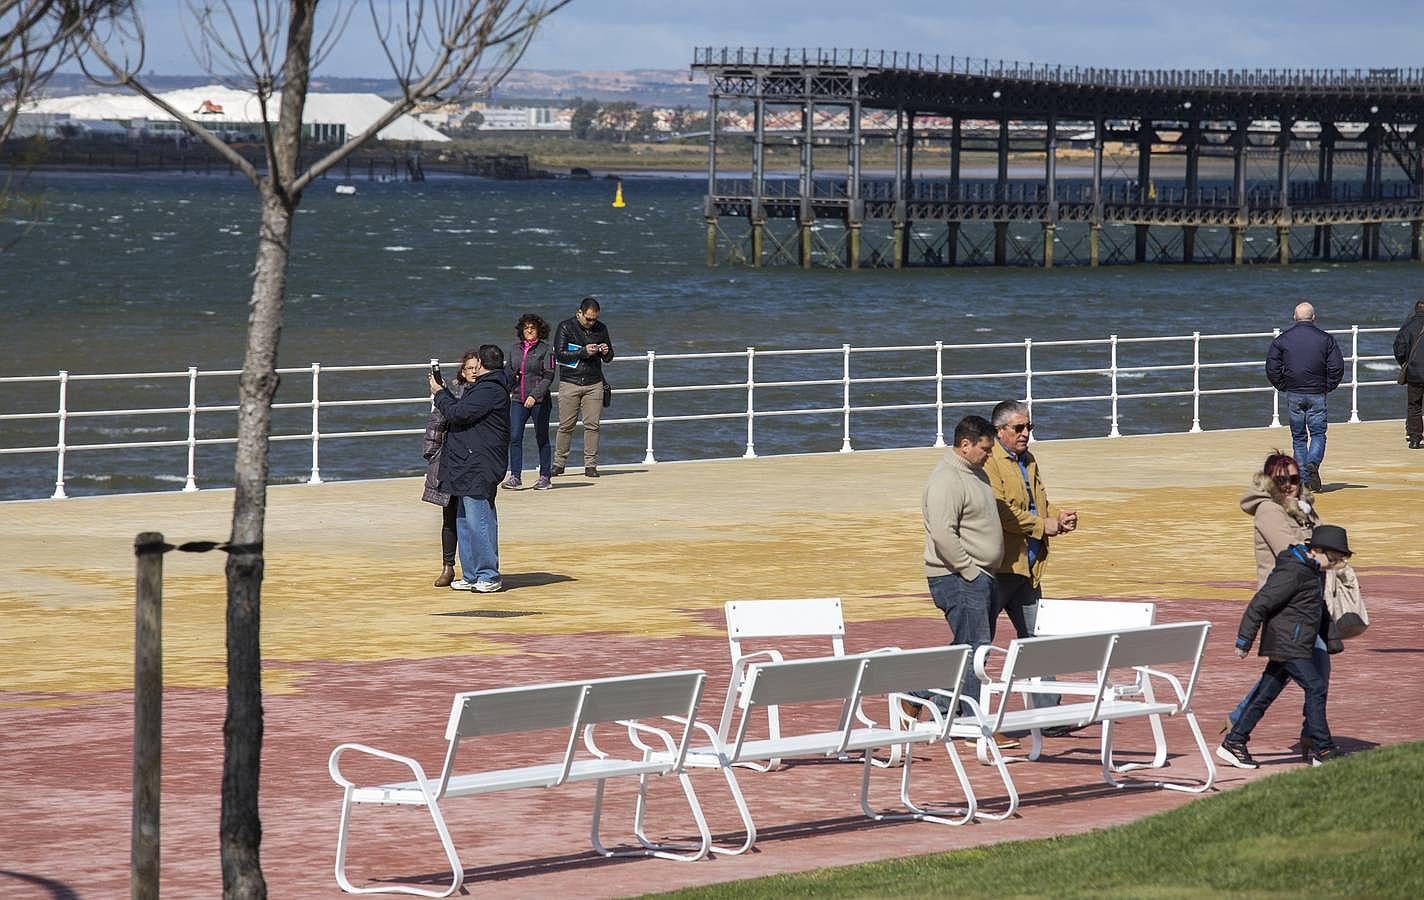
[490, 613]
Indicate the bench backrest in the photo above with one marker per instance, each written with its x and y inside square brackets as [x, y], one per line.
[912, 670]
[1162, 645]
[572, 705]
[1083, 616]
[801, 681]
[757, 620]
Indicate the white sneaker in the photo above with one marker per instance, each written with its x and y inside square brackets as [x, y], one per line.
[460, 584]
[488, 587]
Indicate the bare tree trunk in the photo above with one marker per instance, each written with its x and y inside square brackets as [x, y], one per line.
[241, 826]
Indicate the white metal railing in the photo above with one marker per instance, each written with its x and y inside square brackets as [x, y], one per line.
[700, 395]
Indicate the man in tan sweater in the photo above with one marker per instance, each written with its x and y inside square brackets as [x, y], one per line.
[964, 540]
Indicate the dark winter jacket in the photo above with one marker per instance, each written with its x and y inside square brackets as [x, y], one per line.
[538, 372]
[1289, 610]
[476, 451]
[569, 340]
[1305, 360]
[1408, 336]
[433, 448]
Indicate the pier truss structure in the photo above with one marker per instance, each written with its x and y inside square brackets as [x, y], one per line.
[1213, 166]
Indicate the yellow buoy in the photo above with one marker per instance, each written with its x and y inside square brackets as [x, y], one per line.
[618, 197]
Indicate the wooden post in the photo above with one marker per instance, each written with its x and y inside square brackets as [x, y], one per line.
[148, 716]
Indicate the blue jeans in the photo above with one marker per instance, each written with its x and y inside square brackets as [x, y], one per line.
[519, 414]
[1303, 673]
[970, 609]
[478, 531]
[1019, 598]
[1307, 424]
[1319, 656]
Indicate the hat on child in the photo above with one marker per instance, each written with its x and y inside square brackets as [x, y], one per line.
[1330, 537]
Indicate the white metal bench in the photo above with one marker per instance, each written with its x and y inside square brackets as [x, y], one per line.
[849, 680]
[571, 707]
[762, 622]
[1085, 617]
[1098, 656]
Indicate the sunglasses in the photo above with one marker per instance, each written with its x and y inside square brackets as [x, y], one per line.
[1287, 479]
[1021, 427]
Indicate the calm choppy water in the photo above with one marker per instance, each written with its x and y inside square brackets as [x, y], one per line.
[131, 273]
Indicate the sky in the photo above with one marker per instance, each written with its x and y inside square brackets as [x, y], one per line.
[661, 34]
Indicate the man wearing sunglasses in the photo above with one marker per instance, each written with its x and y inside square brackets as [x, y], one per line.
[1027, 517]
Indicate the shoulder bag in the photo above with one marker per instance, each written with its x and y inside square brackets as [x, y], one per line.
[1346, 605]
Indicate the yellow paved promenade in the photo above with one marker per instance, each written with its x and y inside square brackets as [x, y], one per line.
[644, 551]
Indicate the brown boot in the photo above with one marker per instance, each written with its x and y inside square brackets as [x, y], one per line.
[447, 575]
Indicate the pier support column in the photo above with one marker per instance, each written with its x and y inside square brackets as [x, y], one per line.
[1189, 243]
[853, 245]
[1049, 232]
[1327, 240]
[897, 246]
[1140, 248]
[805, 255]
[711, 242]
[1095, 232]
[951, 244]
[1238, 245]
[1001, 243]
[1283, 245]
[758, 242]
[1416, 240]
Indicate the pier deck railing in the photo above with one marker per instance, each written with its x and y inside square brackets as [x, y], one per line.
[854, 383]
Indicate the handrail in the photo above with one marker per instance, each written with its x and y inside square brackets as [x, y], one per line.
[764, 386]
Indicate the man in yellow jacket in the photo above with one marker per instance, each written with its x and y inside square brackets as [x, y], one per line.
[1028, 517]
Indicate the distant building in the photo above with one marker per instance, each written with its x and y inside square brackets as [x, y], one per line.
[233, 115]
[524, 118]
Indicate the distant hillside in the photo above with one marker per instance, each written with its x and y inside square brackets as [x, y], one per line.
[647, 87]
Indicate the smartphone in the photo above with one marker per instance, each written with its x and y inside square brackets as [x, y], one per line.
[435, 373]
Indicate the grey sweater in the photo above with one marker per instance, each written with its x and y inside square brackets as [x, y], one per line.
[962, 530]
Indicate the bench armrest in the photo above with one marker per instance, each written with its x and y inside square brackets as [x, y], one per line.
[334, 764]
[981, 658]
[734, 685]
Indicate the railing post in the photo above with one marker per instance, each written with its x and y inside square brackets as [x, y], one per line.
[1275, 395]
[1112, 375]
[751, 404]
[845, 398]
[648, 459]
[1354, 374]
[1196, 383]
[316, 425]
[1028, 379]
[63, 418]
[191, 484]
[939, 394]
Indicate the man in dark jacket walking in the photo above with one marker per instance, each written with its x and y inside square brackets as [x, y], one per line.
[581, 347]
[473, 463]
[1305, 364]
[1289, 611]
[1411, 360]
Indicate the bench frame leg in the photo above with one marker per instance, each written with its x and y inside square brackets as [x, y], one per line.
[914, 811]
[1109, 769]
[693, 852]
[458, 874]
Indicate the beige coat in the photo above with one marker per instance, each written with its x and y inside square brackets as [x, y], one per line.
[1018, 523]
[1279, 521]
[962, 533]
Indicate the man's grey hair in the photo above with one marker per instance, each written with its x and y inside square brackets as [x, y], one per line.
[1304, 312]
[1006, 410]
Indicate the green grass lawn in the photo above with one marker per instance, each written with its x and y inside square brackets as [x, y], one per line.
[1354, 828]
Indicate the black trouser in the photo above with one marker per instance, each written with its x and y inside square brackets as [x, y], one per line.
[1414, 411]
[448, 514]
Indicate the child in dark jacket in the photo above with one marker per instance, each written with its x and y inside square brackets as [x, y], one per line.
[1289, 611]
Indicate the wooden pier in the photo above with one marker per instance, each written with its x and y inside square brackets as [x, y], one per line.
[1222, 166]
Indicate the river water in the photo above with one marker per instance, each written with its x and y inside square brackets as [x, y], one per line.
[141, 273]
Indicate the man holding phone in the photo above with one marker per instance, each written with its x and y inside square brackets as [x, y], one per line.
[581, 347]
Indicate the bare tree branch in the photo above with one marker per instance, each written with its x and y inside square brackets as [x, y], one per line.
[37, 37]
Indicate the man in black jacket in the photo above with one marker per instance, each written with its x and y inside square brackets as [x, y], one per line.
[473, 462]
[581, 347]
[1305, 364]
[1289, 611]
[1409, 357]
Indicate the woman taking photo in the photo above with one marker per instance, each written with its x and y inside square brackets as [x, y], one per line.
[435, 429]
[531, 367]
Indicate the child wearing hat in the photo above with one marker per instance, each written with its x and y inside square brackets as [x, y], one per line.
[1289, 611]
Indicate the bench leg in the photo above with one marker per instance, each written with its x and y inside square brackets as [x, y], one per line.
[1001, 763]
[458, 875]
[650, 848]
[915, 811]
[1109, 769]
[1159, 749]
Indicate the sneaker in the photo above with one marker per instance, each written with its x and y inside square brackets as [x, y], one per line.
[590, 471]
[1319, 756]
[460, 584]
[1237, 755]
[542, 484]
[556, 471]
[488, 587]
[512, 482]
[1416, 443]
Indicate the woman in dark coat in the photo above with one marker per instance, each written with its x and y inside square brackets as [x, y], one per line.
[435, 430]
[530, 365]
